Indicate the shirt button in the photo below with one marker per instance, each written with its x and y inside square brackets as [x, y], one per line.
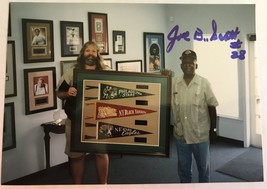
[185, 117]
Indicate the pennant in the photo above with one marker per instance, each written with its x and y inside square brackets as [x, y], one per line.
[106, 111]
[110, 92]
[106, 130]
[88, 87]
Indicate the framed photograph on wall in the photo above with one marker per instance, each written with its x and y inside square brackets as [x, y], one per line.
[67, 64]
[154, 52]
[11, 78]
[9, 32]
[9, 134]
[98, 30]
[119, 46]
[71, 38]
[38, 40]
[40, 85]
[129, 66]
[122, 112]
[108, 62]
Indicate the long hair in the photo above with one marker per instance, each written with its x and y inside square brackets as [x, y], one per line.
[80, 60]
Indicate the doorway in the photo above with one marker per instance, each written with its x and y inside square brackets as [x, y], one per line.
[255, 100]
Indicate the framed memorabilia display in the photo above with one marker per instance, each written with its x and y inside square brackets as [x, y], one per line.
[154, 54]
[71, 38]
[38, 40]
[119, 42]
[129, 65]
[98, 30]
[11, 79]
[40, 85]
[67, 64]
[108, 62]
[121, 112]
[9, 135]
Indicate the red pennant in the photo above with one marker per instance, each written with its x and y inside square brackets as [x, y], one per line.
[106, 111]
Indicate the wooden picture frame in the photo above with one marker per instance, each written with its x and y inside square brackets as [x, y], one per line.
[121, 112]
[9, 131]
[71, 38]
[40, 85]
[154, 52]
[98, 31]
[129, 66]
[119, 45]
[9, 30]
[38, 40]
[11, 76]
[67, 64]
[108, 62]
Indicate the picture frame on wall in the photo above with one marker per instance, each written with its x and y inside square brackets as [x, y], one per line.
[9, 31]
[129, 65]
[154, 52]
[38, 40]
[119, 46]
[40, 85]
[124, 112]
[108, 62]
[98, 30]
[65, 65]
[9, 131]
[11, 76]
[71, 38]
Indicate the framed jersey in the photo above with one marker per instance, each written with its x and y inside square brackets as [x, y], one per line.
[121, 112]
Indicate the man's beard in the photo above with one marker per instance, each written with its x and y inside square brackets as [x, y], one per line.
[90, 60]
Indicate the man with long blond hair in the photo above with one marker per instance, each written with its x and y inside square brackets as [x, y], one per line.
[89, 59]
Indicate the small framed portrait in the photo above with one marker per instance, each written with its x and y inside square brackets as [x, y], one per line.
[119, 42]
[38, 40]
[66, 65]
[40, 85]
[9, 134]
[11, 79]
[108, 62]
[154, 55]
[98, 31]
[129, 65]
[71, 38]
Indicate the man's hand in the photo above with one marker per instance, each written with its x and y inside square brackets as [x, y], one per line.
[72, 91]
[213, 136]
[166, 72]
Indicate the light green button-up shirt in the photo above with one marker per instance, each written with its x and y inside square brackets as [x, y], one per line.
[190, 109]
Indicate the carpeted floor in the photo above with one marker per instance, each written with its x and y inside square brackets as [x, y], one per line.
[247, 166]
[138, 169]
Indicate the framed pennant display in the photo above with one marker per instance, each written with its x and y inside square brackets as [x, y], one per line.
[121, 112]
